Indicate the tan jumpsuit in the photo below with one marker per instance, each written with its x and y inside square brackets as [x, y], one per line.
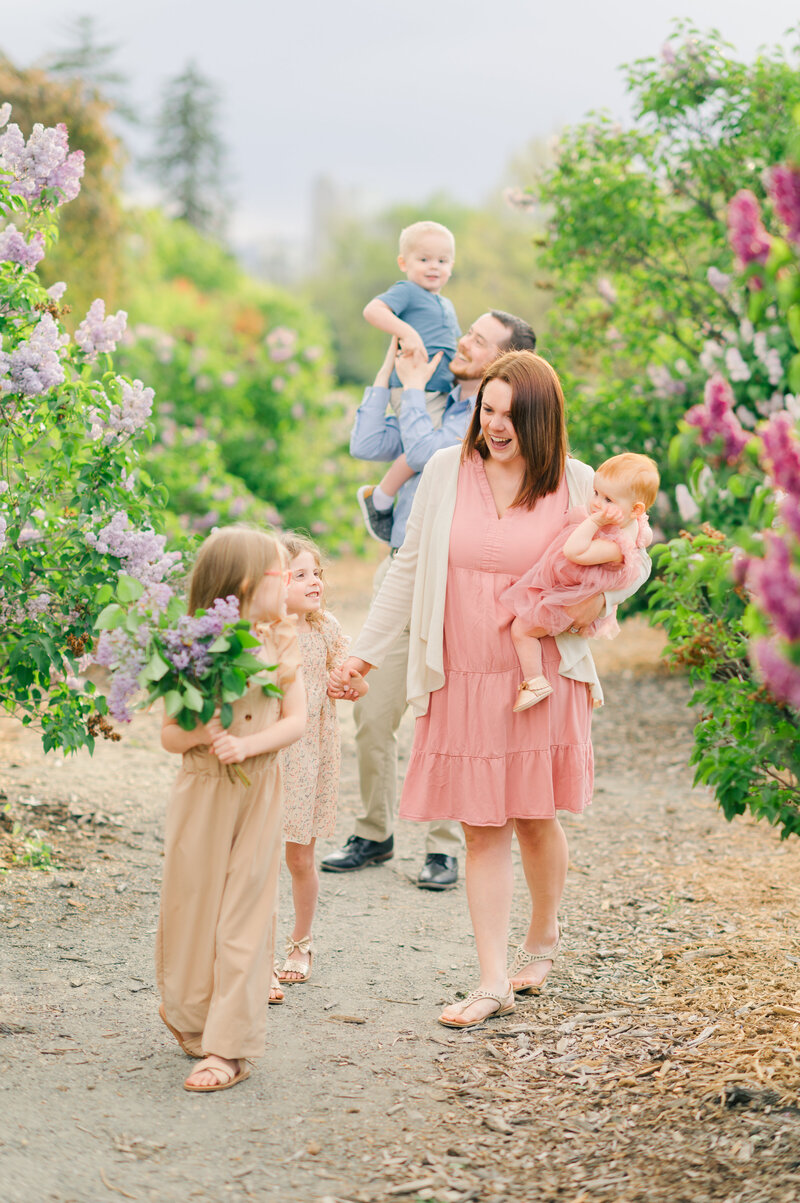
[222, 851]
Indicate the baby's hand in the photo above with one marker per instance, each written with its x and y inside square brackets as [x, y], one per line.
[609, 515]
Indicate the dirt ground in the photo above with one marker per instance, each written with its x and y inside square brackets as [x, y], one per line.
[661, 1062]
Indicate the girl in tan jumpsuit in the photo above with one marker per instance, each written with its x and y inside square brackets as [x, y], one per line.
[216, 929]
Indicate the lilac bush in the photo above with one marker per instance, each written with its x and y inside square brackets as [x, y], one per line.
[75, 503]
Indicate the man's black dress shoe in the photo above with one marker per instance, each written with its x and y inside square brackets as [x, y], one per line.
[439, 872]
[357, 853]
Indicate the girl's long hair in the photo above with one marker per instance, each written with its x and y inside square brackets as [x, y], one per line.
[537, 415]
[294, 544]
[232, 561]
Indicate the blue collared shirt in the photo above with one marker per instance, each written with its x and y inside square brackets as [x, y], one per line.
[381, 437]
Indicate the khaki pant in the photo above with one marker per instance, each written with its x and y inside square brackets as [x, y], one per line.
[377, 718]
[216, 929]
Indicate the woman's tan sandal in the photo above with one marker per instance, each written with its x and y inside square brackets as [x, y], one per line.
[290, 965]
[532, 691]
[523, 958]
[176, 1033]
[505, 1005]
[225, 1076]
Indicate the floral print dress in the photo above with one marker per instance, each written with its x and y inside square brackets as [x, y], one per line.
[311, 766]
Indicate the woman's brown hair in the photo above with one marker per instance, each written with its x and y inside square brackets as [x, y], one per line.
[232, 561]
[537, 415]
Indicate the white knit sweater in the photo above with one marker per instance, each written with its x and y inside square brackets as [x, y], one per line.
[415, 585]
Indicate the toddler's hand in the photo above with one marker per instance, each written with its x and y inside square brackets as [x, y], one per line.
[609, 515]
[412, 344]
[355, 686]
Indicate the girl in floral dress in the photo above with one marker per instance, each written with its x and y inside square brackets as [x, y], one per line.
[311, 766]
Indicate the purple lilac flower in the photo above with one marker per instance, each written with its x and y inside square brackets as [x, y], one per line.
[141, 555]
[777, 587]
[718, 280]
[123, 420]
[186, 645]
[784, 188]
[98, 333]
[781, 677]
[781, 453]
[56, 291]
[663, 381]
[736, 366]
[126, 659]
[3, 528]
[14, 248]
[5, 113]
[43, 162]
[281, 343]
[34, 367]
[746, 233]
[716, 419]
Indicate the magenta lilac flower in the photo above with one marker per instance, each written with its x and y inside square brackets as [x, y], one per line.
[43, 162]
[781, 453]
[716, 419]
[14, 248]
[34, 367]
[781, 677]
[784, 188]
[98, 333]
[746, 233]
[776, 586]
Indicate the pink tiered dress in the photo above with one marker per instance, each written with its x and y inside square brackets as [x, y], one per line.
[473, 759]
[539, 597]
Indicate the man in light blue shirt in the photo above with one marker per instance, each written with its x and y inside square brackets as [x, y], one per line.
[380, 437]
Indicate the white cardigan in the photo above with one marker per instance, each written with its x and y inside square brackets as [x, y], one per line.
[415, 585]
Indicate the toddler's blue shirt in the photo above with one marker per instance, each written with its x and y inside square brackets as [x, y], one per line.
[434, 319]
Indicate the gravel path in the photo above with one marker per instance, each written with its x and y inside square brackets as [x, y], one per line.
[661, 1063]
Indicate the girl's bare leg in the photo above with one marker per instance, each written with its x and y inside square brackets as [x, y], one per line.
[305, 892]
[490, 885]
[543, 846]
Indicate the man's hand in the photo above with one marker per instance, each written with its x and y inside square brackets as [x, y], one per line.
[584, 613]
[414, 371]
[387, 367]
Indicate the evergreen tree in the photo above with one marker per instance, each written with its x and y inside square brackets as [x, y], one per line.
[190, 155]
[88, 60]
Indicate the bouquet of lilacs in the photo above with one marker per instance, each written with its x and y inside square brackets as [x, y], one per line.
[199, 664]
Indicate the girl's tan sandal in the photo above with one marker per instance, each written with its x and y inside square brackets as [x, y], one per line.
[505, 1005]
[523, 958]
[163, 1015]
[306, 945]
[225, 1077]
[532, 691]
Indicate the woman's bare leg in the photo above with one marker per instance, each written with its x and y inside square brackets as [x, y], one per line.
[543, 846]
[490, 885]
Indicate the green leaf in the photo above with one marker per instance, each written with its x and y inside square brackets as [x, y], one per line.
[110, 618]
[793, 318]
[156, 668]
[129, 589]
[226, 714]
[192, 698]
[794, 375]
[220, 644]
[173, 702]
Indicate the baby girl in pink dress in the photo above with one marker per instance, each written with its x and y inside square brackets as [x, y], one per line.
[580, 563]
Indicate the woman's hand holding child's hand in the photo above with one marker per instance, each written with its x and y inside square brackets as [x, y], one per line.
[347, 681]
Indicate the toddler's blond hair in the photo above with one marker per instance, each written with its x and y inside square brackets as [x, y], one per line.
[638, 474]
[410, 236]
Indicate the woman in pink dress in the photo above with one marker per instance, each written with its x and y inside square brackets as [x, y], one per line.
[482, 512]
[592, 552]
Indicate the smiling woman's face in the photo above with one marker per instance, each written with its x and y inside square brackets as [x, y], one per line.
[496, 425]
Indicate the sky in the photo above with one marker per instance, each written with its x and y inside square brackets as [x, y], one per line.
[392, 101]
